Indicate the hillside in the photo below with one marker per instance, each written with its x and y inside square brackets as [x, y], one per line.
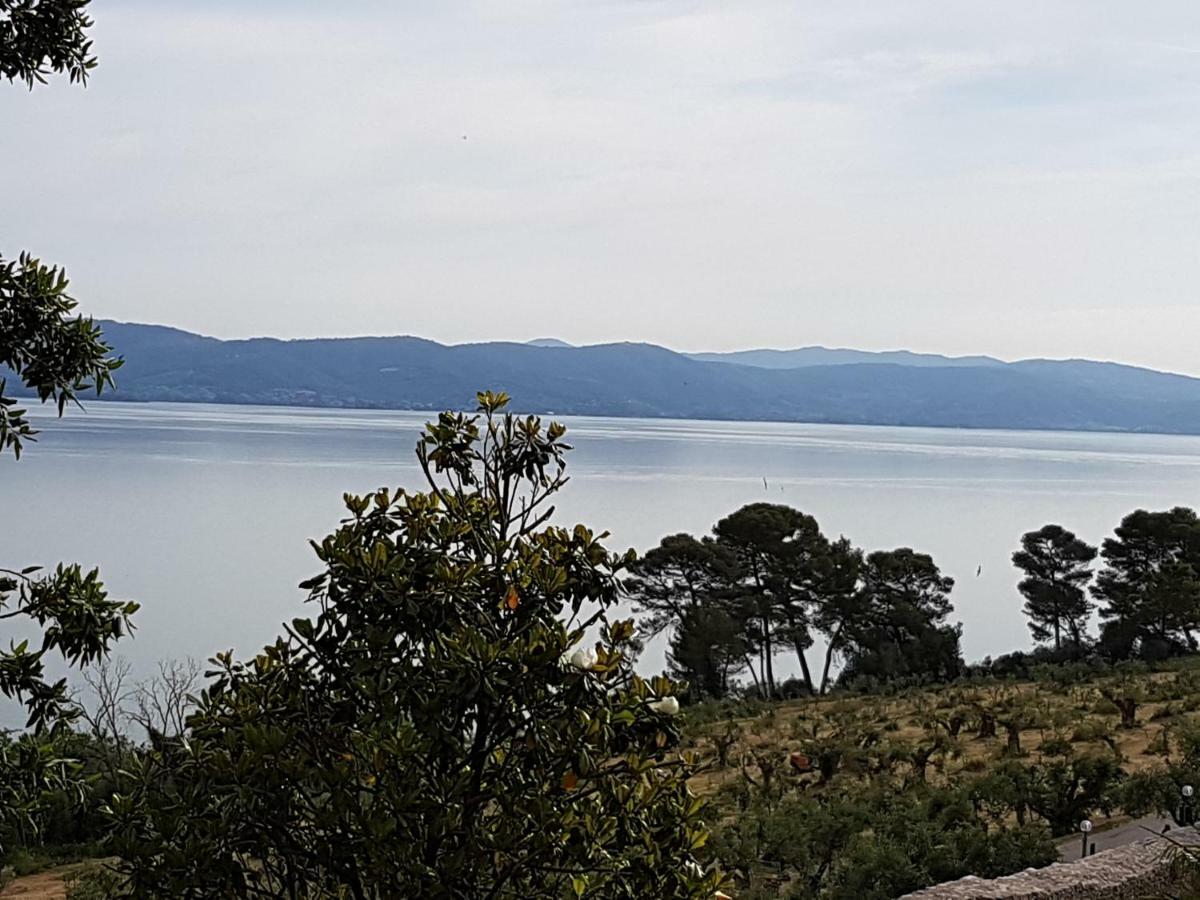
[826, 356]
[889, 793]
[630, 379]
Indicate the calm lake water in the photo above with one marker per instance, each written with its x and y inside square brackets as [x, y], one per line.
[203, 513]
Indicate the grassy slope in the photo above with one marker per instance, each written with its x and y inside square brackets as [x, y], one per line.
[1077, 713]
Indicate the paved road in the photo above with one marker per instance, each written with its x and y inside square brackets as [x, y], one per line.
[1070, 848]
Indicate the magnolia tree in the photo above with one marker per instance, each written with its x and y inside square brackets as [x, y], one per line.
[442, 726]
[55, 354]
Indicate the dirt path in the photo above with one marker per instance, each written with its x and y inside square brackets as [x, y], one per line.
[43, 886]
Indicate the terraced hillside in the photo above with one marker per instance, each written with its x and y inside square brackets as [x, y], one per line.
[875, 796]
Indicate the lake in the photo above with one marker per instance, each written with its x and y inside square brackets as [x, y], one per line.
[203, 513]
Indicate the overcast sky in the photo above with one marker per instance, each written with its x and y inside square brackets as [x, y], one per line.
[1019, 179]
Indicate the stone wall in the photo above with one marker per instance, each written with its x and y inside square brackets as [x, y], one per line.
[1143, 870]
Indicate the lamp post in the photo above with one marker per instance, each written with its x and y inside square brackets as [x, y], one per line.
[1085, 828]
[1186, 815]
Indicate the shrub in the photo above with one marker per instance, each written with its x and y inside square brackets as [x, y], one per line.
[427, 734]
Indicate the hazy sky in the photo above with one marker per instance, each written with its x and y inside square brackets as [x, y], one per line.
[1017, 178]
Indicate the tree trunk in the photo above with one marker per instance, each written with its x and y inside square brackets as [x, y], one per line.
[754, 675]
[768, 652]
[1014, 738]
[1127, 707]
[1073, 624]
[829, 651]
[808, 682]
[987, 725]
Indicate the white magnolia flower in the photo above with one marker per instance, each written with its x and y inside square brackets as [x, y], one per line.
[668, 706]
[582, 659]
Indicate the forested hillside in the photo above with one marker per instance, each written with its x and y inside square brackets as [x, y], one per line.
[630, 379]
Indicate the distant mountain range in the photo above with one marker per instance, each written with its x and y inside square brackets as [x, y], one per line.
[813, 384]
[825, 356]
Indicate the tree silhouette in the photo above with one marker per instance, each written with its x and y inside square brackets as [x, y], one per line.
[774, 585]
[1150, 583]
[1057, 567]
[903, 632]
[679, 574]
[706, 650]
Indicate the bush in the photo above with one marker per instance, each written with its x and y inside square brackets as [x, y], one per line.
[437, 730]
[875, 843]
[1090, 730]
[95, 881]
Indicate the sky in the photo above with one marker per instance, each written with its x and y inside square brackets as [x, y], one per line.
[1017, 179]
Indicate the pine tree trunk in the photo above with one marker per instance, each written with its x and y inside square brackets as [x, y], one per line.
[1014, 738]
[754, 675]
[987, 726]
[808, 682]
[769, 652]
[829, 651]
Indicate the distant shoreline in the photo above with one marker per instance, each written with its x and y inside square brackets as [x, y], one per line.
[811, 386]
[111, 399]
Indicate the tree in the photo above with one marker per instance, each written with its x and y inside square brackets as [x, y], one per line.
[841, 603]
[40, 37]
[681, 573]
[1060, 791]
[1150, 583]
[706, 651]
[1057, 567]
[902, 633]
[437, 729]
[782, 555]
[56, 354]
[871, 841]
[78, 621]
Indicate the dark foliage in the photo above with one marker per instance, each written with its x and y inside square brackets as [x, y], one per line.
[1057, 567]
[1150, 584]
[41, 37]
